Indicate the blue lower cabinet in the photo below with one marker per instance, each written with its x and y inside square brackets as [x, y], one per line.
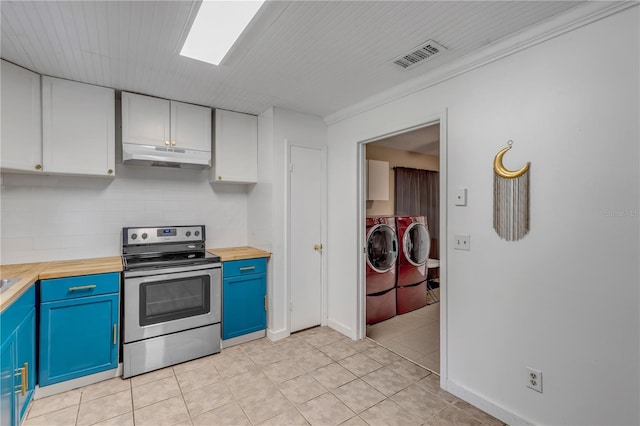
[17, 358]
[244, 289]
[26, 350]
[79, 331]
[8, 407]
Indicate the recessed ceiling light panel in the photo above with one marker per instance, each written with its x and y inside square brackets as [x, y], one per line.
[216, 28]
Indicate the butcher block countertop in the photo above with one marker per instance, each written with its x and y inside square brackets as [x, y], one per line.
[29, 273]
[238, 253]
[73, 268]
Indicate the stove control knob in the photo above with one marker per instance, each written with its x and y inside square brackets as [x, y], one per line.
[144, 236]
[134, 236]
[197, 233]
[188, 234]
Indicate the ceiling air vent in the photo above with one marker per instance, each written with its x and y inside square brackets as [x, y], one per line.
[413, 57]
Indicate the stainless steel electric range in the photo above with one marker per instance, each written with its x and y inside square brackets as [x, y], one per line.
[172, 297]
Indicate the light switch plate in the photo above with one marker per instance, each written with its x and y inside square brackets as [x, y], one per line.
[461, 197]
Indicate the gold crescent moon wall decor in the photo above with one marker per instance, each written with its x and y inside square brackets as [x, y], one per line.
[510, 199]
[502, 171]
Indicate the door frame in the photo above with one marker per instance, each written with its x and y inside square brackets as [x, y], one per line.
[428, 120]
[323, 231]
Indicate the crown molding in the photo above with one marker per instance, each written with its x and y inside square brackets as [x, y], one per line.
[589, 12]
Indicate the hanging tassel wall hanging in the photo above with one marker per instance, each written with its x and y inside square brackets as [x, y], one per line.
[510, 199]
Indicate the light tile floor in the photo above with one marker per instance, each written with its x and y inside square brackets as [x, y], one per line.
[316, 377]
[414, 335]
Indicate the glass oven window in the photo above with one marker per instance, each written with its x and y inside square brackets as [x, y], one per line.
[170, 300]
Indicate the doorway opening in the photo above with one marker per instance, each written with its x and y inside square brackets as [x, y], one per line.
[403, 245]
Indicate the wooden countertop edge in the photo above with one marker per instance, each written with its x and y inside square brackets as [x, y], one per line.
[32, 272]
[239, 253]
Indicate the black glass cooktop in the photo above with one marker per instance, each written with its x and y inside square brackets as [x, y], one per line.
[168, 260]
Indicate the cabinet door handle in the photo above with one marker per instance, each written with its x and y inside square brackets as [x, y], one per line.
[173, 143]
[247, 268]
[22, 372]
[82, 287]
[167, 143]
[115, 331]
[25, 386]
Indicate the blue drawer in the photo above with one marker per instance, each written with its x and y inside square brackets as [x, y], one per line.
[82, 286]
[238, 268]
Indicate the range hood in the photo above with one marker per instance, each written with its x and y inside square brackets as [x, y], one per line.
[149, 155]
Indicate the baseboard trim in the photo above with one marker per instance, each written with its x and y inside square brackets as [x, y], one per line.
[277, 335]
[341, 328]
[43, 392]
[243, 339]
[486, 405]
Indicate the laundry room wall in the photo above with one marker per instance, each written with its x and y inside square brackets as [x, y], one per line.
[395, 158]
[565, 298]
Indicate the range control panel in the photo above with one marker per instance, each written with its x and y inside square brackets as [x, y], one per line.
[164, 234]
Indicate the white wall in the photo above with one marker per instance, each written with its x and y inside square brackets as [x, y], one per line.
[267, 216]
[73, 217]
[565, 299]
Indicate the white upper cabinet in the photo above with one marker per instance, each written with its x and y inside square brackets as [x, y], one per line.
[78, 128]
[236, 148]
[21, 127]
[145, 120]
[190, 126]
[161, 122]
[377, 180]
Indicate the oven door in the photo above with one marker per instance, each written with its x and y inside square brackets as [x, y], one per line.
[170, 301]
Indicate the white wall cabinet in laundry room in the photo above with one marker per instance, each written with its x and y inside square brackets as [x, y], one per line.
[21, 125]
[78, 128]
[236, 148]
[165, 123]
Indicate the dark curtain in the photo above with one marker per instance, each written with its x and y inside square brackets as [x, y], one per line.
[418, 194]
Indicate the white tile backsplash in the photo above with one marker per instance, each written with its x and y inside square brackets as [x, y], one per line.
[73, 217]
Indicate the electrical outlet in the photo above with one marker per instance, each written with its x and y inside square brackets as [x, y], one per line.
[534, 379]
[462, 242]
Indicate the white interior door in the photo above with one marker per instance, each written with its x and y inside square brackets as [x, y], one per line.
[305, 236]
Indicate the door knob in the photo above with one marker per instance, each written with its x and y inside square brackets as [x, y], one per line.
[317, 247]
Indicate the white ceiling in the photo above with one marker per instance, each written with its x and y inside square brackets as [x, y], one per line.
[315, 57]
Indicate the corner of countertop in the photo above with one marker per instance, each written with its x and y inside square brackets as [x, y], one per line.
[239, 253]
[29, 273]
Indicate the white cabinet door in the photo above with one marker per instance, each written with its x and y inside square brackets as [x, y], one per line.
[78, 128]
[236, 148]
[190, 126]
[145, 120]
[21, 119]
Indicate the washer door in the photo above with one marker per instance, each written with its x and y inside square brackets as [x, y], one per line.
[416, 244]
[382, 248]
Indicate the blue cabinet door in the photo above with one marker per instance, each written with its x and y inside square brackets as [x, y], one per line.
[18, 335]
[26, 358]
[243, 306]
[7, 382]
[78, 337]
